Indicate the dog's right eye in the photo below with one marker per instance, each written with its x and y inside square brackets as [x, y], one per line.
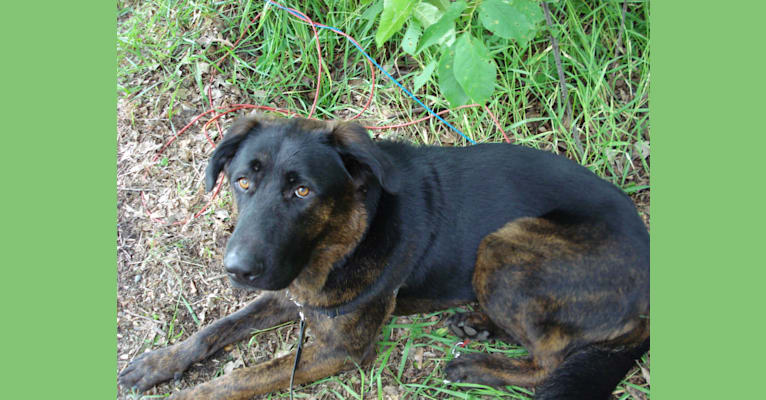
[243, 183]
[302, 192]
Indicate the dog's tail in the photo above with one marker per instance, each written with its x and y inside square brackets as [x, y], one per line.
[590, 373]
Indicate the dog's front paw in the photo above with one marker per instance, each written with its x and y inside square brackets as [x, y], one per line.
[154, 367]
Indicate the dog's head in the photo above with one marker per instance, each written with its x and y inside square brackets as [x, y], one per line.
[301, 187]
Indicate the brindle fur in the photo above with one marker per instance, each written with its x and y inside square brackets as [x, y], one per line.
[535, 279]
[556, 257]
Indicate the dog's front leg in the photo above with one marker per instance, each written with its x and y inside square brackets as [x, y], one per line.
[317, 362]
[149, 369]
[340, 343]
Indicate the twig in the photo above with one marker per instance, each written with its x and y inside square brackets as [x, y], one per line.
[212, 278]
[622, 25]
[194, 264]
[562, 82]
[142, 317]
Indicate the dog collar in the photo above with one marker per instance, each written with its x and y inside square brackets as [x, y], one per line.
[330, 312]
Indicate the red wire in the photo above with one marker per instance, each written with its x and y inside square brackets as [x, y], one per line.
[497, 124]
[303, 17]
[173, 139]
[212, 76]
[319, 66]
[236, 107]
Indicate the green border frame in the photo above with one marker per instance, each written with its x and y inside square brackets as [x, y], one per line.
[707, 220]
[59, 282]
[59, 162]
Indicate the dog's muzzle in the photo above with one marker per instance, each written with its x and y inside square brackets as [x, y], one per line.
[242, 268]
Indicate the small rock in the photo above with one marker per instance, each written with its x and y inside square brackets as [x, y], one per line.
[418, 358]
[232, 365]
[469, 331]
[203, 67]
[456, 330]
[390, 390]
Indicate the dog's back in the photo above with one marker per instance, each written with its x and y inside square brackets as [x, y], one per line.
[454, 197]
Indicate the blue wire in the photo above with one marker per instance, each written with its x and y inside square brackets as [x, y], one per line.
[379, 67]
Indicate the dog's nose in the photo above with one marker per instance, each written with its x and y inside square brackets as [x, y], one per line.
[240, 267]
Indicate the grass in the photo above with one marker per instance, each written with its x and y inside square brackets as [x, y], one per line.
[168, 50]
[401, 353]
[275, 63]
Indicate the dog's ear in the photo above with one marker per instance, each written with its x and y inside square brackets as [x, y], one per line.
[359, 153]
[225, 150]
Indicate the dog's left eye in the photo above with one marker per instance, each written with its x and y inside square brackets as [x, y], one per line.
[302, 192]
[243, 183]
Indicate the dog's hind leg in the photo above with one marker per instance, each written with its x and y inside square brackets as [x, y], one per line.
[149, 369]
[494, 370]
[575, 296]
[590, 373]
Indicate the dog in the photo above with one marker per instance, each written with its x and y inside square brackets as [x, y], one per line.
[347, 232]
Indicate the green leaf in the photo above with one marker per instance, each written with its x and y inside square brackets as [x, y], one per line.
[448, 85]
[423, 77]
[474, 70]
[411, 37]
[439, 32]
[442, 4]
[444, 35]
[427, 14]
[395, 12]
[511, 19]
[372, 11]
